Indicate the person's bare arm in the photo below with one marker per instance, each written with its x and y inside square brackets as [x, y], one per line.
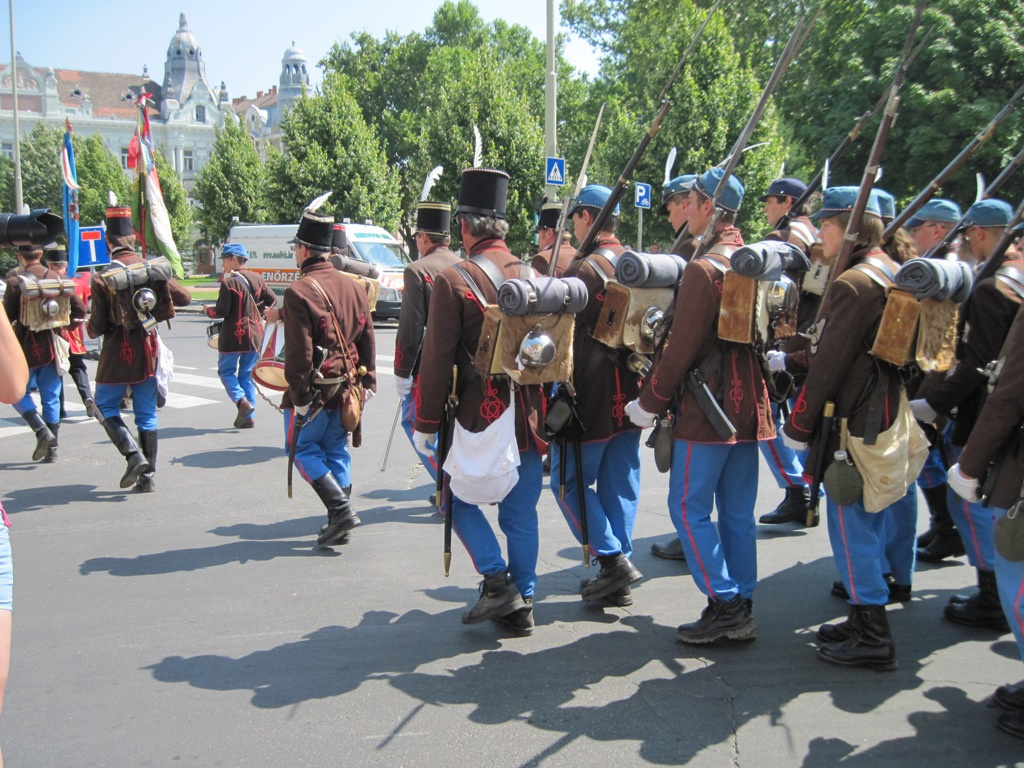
[14, 376]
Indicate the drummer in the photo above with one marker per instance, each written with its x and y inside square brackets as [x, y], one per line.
[242, 302]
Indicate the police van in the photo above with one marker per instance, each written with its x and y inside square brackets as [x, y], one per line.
[273, 257]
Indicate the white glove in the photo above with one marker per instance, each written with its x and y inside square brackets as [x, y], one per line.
[302, 410]
[776, 360]
[922, 411]
[403, 386]
[422, 442]
[368, 395]
[965, 487]
[792, 443]
[639, 416]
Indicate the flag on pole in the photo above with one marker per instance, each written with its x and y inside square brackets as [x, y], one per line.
[69, 195]
[149, 214]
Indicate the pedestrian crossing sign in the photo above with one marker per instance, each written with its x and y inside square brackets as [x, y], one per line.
[643, 195]
[554, 171]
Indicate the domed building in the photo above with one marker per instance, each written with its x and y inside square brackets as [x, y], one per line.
[262, 115]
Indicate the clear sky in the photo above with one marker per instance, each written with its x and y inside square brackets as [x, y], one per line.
[242, 40]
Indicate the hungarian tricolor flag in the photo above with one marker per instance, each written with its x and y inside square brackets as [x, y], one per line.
[149, 214]
[69, 194]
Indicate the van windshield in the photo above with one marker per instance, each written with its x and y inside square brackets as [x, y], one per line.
[382, 254]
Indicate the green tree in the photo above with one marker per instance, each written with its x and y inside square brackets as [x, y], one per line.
[99, 173]
[328, 145]
[40, 167]
[230, 184]
[6, 185]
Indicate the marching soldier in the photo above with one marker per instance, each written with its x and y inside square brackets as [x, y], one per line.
[610, 447]
[547, 228]
[433, 237]
[717, 392]
[242, 300]
[329, 356]
[125, 312]
[461, 294]
[57, 260]
[40, 352]
[985, 320]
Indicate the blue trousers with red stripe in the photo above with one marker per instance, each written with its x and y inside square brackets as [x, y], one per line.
[321, 447]
[1010, 581]
[722, 558]
[900, 547]
[976, 525]
[859, 545]
[144, 399]
[46, 379]
[786, 465]
[517, 518]
[933, 473]
[611, 482]
[408, 419]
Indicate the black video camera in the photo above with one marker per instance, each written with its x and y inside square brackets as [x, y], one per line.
[37, 228]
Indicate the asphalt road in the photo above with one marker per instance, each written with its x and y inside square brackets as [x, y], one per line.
[200, 625]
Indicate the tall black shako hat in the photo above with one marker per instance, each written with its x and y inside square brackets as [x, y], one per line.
[434, 218]
[316, 230]
[484, 192]
[119, 221]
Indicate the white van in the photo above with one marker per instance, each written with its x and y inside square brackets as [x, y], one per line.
[273, 257]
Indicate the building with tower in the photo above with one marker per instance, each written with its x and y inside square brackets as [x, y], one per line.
[262, 115]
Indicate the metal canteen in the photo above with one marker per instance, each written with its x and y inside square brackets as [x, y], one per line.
[49, 307]
[639, 364]
[781, 297]
[652, 326]
[537, 349]
[144, 300]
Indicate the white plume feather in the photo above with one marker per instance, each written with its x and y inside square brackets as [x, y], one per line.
[317, 202]
[782, 170]
[981, 188]
[584, 182]
[111, 198]
[878, 175]
[478, 148]
[669, 164]
[824, 175]
[429, 182]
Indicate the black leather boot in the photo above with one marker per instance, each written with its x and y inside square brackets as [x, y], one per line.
[981, 610]
[518, 622]
[616, 572]
[341, 518]
[792, 509]
[45, 439]
[731, 619]
[669, 550]
[119, 435]
[51, 452]
[945, 540]
[870, 645]
[148, 442]
[843, 630]
[498, 597]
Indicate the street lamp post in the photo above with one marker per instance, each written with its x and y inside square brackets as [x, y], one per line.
[18, 202]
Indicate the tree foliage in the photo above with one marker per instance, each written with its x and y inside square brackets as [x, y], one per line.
[230, 184]
[99, 173]
[40, 167]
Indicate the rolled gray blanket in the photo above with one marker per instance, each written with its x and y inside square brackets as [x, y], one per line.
[118, 277]
[768, 259]
[936, 279]
[542, 296]
[649, 270]
[355, 267]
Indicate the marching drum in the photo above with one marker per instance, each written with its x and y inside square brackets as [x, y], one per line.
[269, 369]
[213, 334]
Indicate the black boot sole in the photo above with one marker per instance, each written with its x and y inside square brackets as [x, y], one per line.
[993, 623]
[133, 473]
[613, 586]
[887, 665]
[337, 533]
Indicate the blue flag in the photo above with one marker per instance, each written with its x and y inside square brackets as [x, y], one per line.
[70, 200]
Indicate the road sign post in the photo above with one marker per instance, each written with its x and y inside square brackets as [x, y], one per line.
[642, 200]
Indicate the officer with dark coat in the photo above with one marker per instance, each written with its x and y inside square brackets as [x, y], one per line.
[38, 347]
[329, 343]
[126, 319]
[710, 469]
[547, 229]
[242, 300]
[610, 446]
[453, 333]
[433, 237]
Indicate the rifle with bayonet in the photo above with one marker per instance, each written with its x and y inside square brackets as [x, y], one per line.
[443, 495]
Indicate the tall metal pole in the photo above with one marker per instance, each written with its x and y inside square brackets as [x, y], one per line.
[551, 99]
[18, 203]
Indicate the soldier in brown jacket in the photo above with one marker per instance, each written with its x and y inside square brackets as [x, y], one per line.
[994, 454]
[433, 236]
[610, 446]
[866, 392]
[130, 349]
[547, 228]
[986, 317]
[38, 347]
[453, 332]
[714, 463]
[242, 300]
[329, 342]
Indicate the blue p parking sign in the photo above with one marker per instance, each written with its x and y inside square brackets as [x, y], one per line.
[643, 195]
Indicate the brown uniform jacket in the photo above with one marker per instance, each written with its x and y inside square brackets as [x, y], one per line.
[737, 381]
[684, 244]
[604, 384]
[987, 316]
[309, 324]
[566, 254]
[412, 319]
[453, 331]
[128, 356]
[841, 368]
[241, 302]
[37, 345]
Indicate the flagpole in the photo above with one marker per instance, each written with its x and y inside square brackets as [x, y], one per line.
[18, 202]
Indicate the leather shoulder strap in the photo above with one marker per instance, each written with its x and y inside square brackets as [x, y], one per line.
[1012, 277]
[877, 270]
